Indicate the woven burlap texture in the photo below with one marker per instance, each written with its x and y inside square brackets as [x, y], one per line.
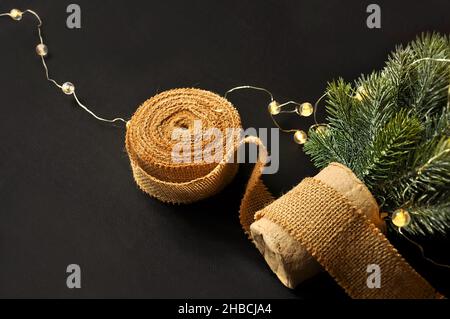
[336, 233]
[149, 145]
[345, 242]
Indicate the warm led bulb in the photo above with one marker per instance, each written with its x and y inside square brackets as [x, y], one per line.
[401, 218]
[68, 88]
[16, 14]
[300, 137]
[41, 49]
[274, 108]
[360, 93]
[305, 109]
[321, 129]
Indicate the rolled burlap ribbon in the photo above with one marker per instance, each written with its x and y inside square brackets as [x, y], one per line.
[150, 144]
[287, 257]
[315, 217]
[332, 220]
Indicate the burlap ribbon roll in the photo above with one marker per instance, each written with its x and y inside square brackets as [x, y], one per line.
[150, 145]
[342, 239]
[345, 242]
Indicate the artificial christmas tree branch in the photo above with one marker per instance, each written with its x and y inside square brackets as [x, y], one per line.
[392, 128]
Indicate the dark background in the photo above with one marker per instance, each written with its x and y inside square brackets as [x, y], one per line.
[66, 190]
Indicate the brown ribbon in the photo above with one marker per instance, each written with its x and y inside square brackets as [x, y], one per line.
[345, 242]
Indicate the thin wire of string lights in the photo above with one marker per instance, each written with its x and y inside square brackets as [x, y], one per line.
[274, 108]
[68, 88]
[42, 51]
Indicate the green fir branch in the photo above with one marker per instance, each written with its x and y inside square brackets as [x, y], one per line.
[395, 132]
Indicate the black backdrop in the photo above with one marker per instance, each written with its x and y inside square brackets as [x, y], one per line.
[66, 191]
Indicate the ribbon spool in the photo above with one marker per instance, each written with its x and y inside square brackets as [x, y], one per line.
[150, 145]
[331, 217]
[310, 213]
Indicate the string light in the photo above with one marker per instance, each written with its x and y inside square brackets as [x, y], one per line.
[16, 14]
[430, 59]
[321, 129]
[360, 93]
[274, 108]
[68, 88]
[249, 87]
[307, 109]
[42, 51]
[401, 218]
[422, 251]
[304, 109]
[300, 137]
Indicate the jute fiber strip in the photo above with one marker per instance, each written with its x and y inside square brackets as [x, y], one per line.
[287, 257]
[149, 144]
[336, 233]
[345, 242]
